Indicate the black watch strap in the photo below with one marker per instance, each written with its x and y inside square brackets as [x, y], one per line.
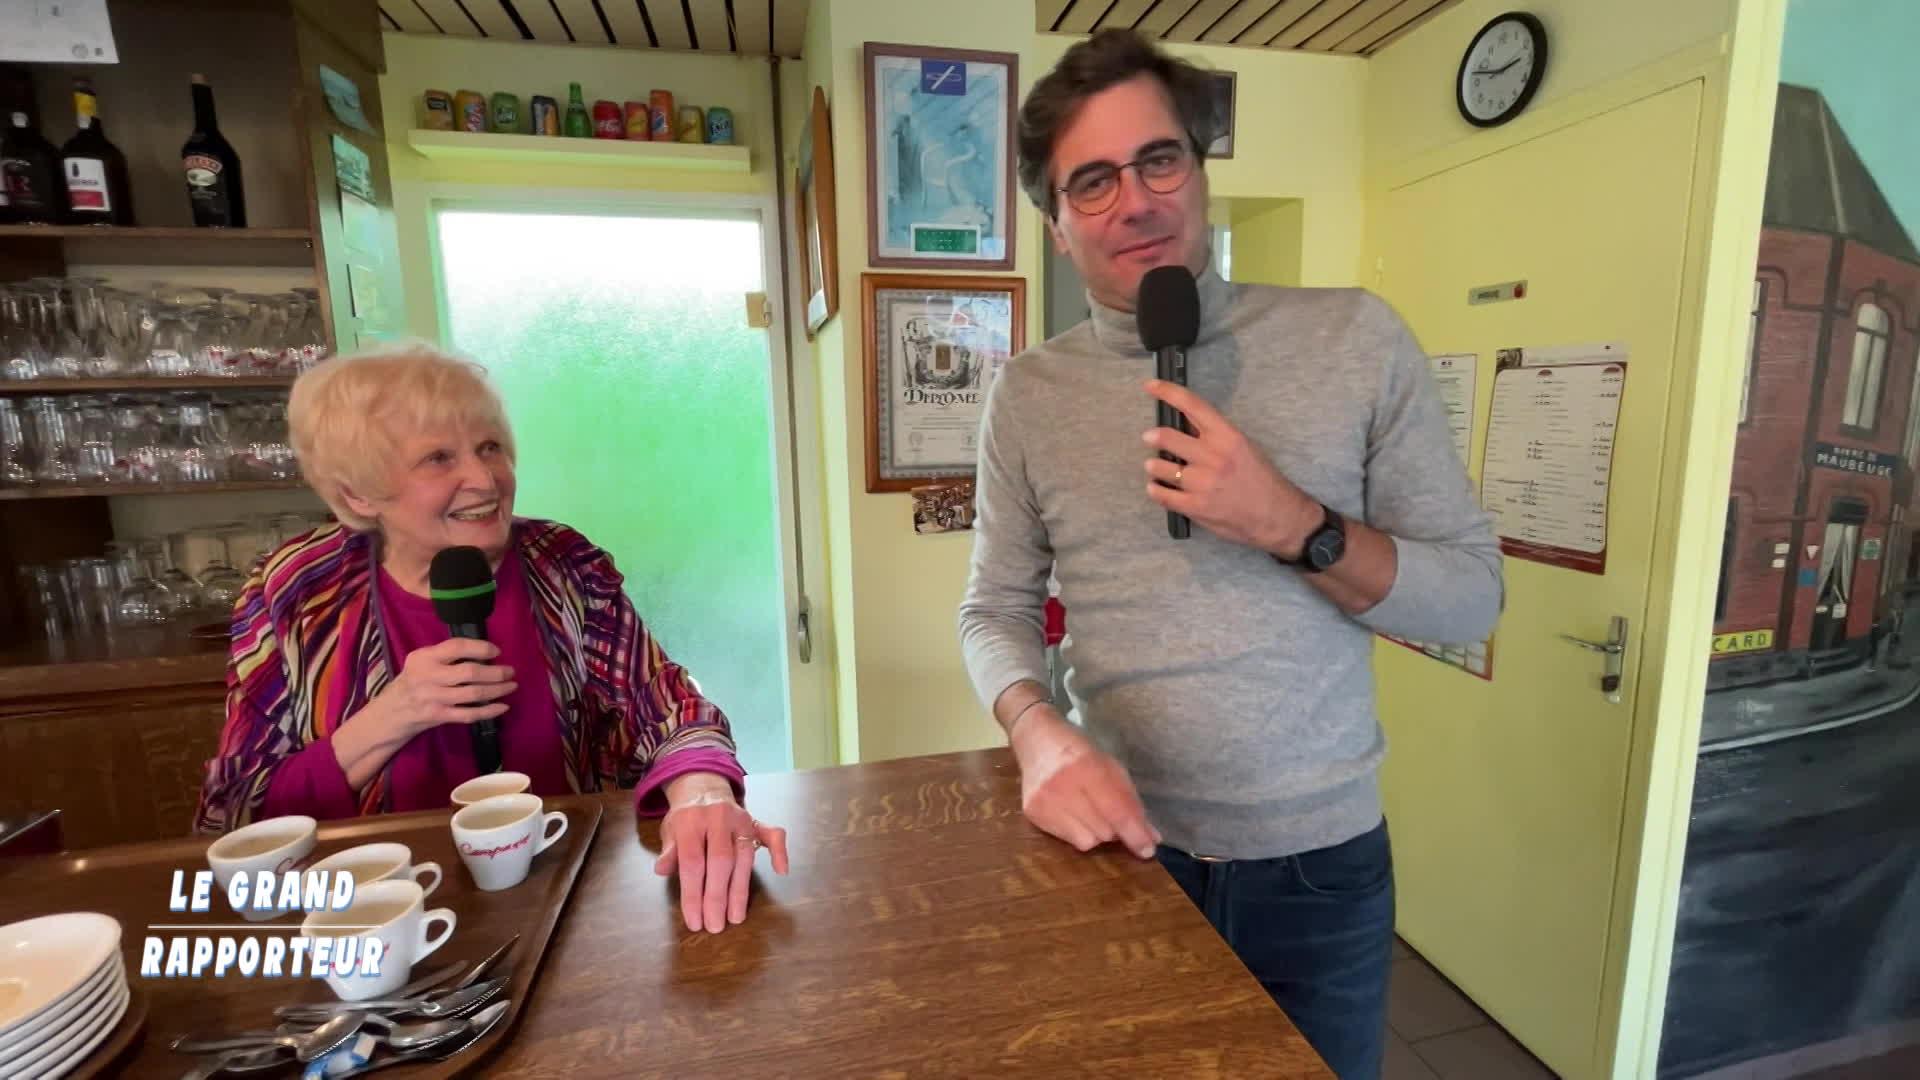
[1324, 546]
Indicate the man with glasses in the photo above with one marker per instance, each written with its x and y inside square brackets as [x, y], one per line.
[1222, 684]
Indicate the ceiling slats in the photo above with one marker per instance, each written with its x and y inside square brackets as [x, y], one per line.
[1230, 26]
[757, 27]
[453, 21]
[493, 19]
[710, 25]
[1385, 31]
[790, 26]
[582, 21]
[753, 27]
[1312, 23]
[629, 28]
[1199, 20]
[540, 19]
[669, 23]
[407, 16]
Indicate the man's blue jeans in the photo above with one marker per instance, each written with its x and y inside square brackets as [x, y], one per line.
[1317, 930]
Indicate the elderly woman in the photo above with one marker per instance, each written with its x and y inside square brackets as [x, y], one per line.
[347, 695]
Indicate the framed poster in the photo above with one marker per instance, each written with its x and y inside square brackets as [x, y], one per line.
[934, 344]
[940, 189]
[818, 223]
[1224, 86]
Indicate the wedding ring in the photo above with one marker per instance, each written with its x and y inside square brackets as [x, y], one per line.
[739, 840]
[1177, 474]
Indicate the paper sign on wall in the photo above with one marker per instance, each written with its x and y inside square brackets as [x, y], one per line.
[1549, 465]
[1475, 659]
[1455, 375]
[68, 32]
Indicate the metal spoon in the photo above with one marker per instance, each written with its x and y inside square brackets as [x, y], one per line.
[313, 1044]
[400, 1036]
[239, 1061]
[477, 1027]
[481, 969]
[453, 1004]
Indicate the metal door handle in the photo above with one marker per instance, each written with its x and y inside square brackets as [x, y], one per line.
[1607, 647]
[1613, 650]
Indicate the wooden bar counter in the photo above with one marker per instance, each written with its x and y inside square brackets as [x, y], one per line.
[927, 930]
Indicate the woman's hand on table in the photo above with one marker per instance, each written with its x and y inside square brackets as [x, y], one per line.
[711, 840]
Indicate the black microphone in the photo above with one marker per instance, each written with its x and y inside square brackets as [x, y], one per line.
[1168, 311]
[461, 585]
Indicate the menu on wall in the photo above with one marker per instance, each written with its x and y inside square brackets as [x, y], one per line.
[1549, 461]
[1455, 374]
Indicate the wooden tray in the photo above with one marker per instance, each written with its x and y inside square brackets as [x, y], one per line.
[132, 883]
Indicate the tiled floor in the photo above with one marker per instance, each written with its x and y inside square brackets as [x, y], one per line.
[1435, 1033]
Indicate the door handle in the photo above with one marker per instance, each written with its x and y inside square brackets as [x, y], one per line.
[1613, 651]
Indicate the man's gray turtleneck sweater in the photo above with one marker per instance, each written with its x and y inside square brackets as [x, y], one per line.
[1238, 697]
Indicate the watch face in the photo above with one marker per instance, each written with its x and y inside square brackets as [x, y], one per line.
[1502, 69]
[1326, 548]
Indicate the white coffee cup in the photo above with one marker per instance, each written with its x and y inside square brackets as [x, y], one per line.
[380, 862]
[394, 913]
[277, 844]
[490, 785]
[497, 838]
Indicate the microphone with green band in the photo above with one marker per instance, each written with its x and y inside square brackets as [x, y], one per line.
[461, 585]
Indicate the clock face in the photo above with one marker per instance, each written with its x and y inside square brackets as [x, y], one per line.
[1502, 69]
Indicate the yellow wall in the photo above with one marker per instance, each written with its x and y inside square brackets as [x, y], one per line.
[1606, 56]
[1269, 240]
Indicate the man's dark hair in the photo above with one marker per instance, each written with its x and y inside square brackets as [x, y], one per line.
[1106, 59]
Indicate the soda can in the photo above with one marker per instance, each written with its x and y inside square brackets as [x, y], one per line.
[546, 115]
[469, 111]
[606, 121]
[439, 106]
[660, 104]
[639, 120]
[720, 126]
[506, 113]
[693, 124]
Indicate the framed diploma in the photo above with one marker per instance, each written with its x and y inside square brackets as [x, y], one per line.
[934, 344]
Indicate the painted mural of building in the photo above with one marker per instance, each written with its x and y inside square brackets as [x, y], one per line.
[1819, 546]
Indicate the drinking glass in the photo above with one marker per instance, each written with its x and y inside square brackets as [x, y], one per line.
[16, 468]
[221, 579]
[91, 429]
[141, 601]
[50, 445]
[181, 594]
[194, 454]
[171, 340]
[307, 340]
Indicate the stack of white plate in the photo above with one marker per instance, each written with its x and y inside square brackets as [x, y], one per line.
[63, 988]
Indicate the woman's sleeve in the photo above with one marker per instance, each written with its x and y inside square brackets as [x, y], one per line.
[665, 727]
[261, 769]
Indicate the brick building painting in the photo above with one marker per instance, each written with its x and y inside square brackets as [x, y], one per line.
[1796, 944]
[1819, 546]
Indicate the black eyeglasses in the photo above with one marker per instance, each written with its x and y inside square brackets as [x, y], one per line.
[1165, 168]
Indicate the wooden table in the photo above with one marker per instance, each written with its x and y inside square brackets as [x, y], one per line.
[926, 931]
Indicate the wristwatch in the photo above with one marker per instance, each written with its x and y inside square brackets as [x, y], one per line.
[1324, 547]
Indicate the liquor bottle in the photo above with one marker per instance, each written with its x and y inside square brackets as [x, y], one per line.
[212, 168]
[98, 191]
[579, 125]
[30, 188]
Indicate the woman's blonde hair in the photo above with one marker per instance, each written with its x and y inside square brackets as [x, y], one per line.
[348, 416]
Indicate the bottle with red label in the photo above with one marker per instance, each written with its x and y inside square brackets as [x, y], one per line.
[95, 171]
[30, 189]
[212, 167]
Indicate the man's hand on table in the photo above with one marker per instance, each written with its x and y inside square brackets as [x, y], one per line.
[711, 840]
[1070, 789]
